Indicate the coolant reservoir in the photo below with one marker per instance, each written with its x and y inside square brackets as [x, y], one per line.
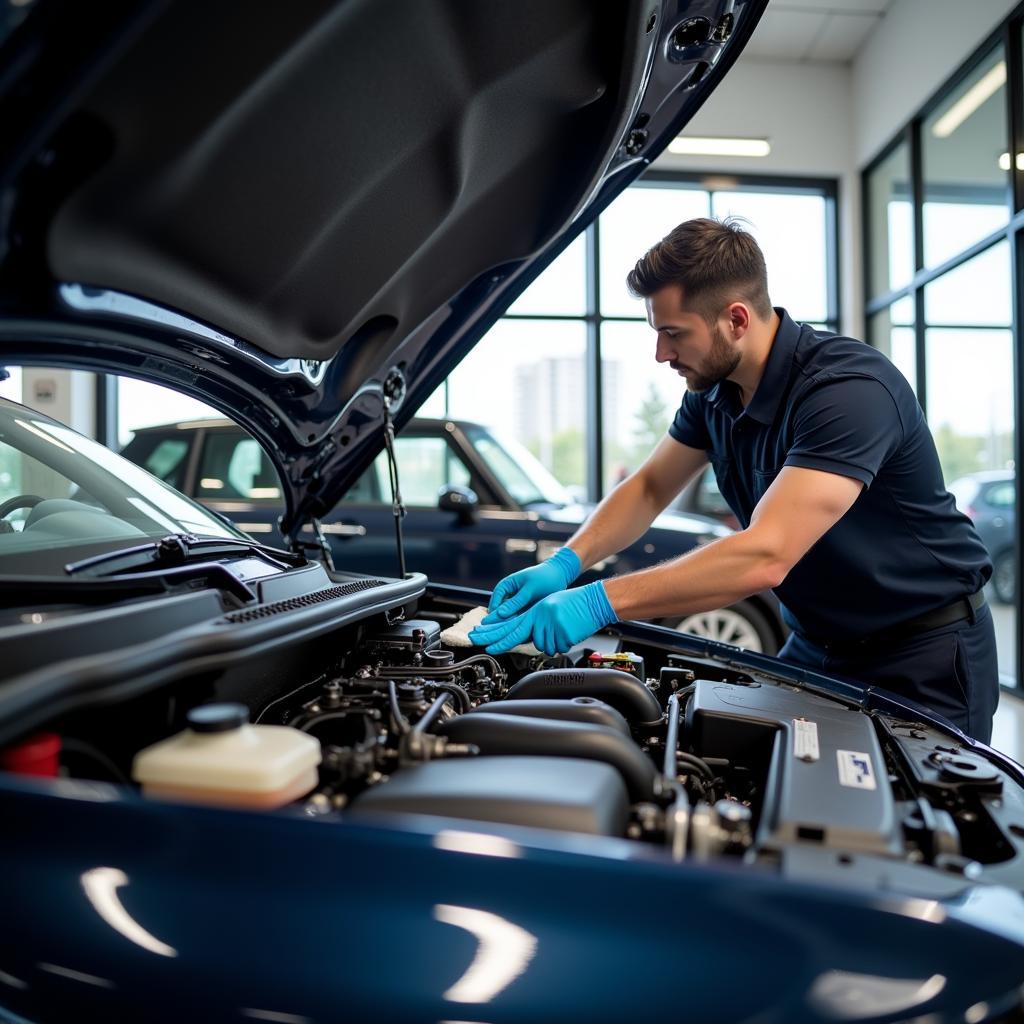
[222, 759]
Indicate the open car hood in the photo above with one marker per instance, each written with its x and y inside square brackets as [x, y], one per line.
[306, 214]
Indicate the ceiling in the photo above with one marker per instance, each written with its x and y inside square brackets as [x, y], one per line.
[815, 30]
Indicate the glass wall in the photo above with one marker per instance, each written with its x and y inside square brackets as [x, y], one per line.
[527, 378]
[890, 224]
[892, 330]
[532, 374]
[941, 294]
[965, 163]
[969, 365]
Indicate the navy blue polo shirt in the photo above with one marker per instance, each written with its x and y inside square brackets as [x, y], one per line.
[832, 403]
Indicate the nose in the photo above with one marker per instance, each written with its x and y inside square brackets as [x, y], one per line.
[664, 350]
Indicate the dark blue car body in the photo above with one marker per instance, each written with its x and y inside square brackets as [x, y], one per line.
[274, 917]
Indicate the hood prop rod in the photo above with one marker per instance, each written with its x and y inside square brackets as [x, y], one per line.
[397, 506]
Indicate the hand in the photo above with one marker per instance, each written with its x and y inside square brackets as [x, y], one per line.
[553, 624]
[526, 587]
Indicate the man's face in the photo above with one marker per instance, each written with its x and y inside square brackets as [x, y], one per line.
[699, 352]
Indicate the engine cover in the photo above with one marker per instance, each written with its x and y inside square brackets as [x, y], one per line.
[541, 792]
[824, 776]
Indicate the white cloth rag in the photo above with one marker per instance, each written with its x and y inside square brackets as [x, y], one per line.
[458, 635]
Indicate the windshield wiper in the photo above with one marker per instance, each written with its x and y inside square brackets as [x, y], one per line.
[175, 550]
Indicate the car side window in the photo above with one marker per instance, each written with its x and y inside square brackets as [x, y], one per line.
[166, 460]
[1000, 496]
[368, 488]
[234, 467]
[425, 465]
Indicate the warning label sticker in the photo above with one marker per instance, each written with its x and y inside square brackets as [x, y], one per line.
[855, 769]
[805, 740]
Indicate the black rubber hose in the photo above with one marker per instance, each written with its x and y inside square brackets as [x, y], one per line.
[401, 722]
[624, 692]
[579, 709]
[432, 712]
[433, 671]
[542, 737]
[465, 704]
[695, 764]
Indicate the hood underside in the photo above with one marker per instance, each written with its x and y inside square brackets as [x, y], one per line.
[329, 192]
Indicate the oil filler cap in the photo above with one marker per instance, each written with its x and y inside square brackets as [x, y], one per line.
[217, 717]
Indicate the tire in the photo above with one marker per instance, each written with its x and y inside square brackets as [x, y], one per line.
[1003, 577]
[742, 624]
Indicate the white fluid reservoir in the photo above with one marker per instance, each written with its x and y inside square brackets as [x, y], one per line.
[222, 759]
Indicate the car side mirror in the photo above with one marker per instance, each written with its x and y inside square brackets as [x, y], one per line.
[460, 500]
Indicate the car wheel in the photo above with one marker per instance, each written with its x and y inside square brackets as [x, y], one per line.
[1003, 581]
[741, 624]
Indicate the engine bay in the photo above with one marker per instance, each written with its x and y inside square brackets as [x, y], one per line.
[700, 757]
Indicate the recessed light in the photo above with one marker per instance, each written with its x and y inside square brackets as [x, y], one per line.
[693, 145]
[967, 104]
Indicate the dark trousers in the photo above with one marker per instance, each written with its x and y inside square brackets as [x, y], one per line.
[951, 670]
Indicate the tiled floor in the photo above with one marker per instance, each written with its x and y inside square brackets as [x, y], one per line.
[1008, 728]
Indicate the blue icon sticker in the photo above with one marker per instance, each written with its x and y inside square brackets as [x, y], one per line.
[856, 770]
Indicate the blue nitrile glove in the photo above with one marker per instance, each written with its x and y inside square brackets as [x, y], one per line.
[528, 586]
[553, 624]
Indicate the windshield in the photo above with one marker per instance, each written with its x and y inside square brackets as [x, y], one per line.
[517, 469]
[61, 492]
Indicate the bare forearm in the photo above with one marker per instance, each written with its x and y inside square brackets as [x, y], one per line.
[712, 576]
[623, 517]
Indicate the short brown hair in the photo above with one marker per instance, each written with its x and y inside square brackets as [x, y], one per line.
[715, 262]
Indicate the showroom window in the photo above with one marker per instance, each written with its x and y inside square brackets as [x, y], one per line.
[575, 350]
[943, 222]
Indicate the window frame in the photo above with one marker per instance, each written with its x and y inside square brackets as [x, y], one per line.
[1009, 35]
[594, 319]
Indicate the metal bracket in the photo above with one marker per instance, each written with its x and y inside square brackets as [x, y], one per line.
[394, 394]
[319, 546]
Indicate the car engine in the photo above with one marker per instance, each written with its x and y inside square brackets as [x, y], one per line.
[700, 756]
[704, 759]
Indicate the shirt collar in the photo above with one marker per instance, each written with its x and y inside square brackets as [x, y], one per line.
[775, 378]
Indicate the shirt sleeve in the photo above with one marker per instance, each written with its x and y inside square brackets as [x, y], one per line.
[849, 426]
[690, 426]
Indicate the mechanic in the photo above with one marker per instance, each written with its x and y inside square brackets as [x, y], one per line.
[823, 453]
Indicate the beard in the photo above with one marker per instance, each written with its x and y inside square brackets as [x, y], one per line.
[720, 361]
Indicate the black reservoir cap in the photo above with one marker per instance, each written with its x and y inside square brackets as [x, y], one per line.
[217, 717]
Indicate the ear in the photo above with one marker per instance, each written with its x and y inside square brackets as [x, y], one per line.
[739, 316]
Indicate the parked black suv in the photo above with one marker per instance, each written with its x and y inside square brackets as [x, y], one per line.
[479, 506]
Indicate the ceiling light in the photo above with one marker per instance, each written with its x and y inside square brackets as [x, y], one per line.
[970, 101]
[692, 145]
[1004, 161]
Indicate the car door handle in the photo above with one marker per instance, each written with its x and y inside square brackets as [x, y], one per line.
[341, 529]
[518, 545]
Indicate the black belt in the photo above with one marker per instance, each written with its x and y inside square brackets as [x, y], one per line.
[966, 607]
